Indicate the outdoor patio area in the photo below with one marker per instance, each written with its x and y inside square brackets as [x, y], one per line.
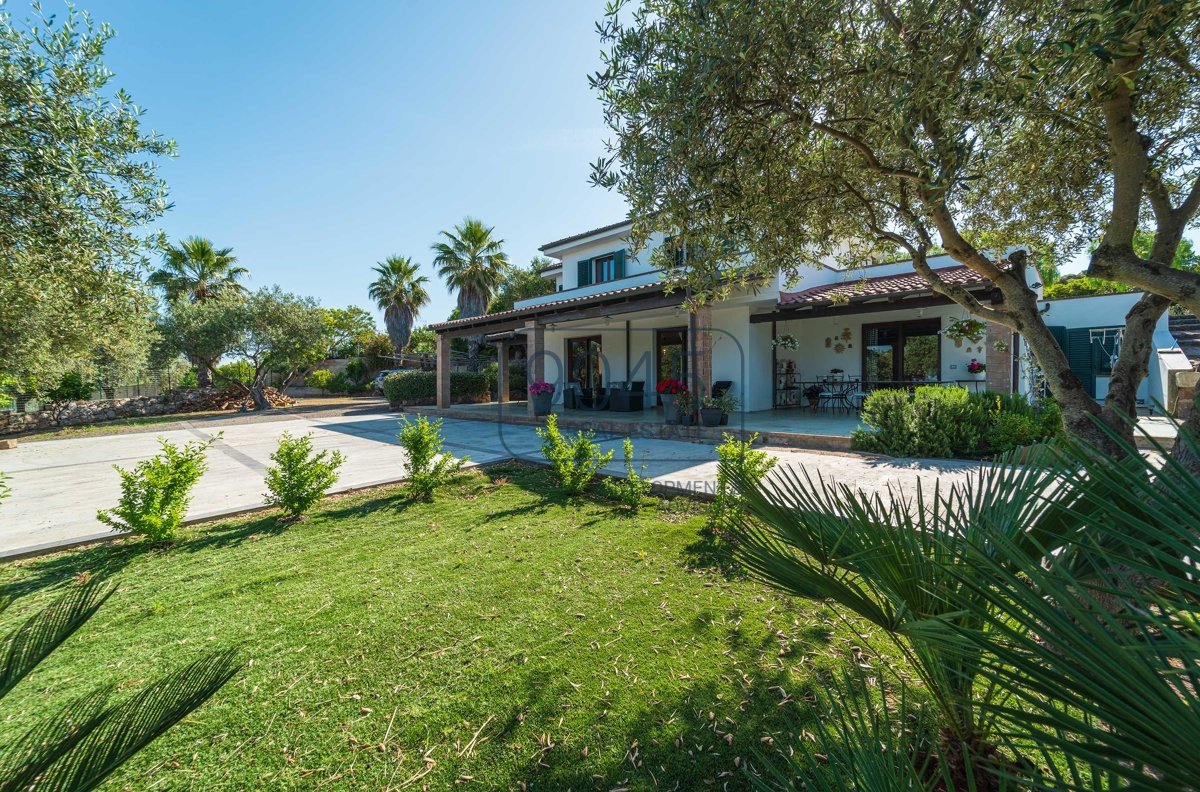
[793, 428]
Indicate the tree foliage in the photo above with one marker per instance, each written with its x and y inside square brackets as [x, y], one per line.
[78, 183]
[350, 329]
[522, 283]
[197, 269]
[800, 132]
[472, 261]
[399, 291]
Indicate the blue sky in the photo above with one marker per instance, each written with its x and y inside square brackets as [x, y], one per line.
[318, 138]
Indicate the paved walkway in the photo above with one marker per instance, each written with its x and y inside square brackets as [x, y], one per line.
[57, 485]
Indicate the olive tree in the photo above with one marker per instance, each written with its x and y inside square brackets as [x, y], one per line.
[78, 184]
[278, 333]
[793, 130]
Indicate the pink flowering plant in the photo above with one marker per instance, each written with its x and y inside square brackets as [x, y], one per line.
[975, 367]
[540, 388]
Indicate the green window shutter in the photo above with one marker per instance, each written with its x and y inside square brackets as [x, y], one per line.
[585, 273]
[1082, 357]
[619, 264]
[1060, 335]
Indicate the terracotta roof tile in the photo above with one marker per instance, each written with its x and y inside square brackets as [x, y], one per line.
[883, 286]
[534, 310]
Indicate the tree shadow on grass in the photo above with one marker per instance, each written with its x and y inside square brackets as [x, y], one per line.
[103, 560]
[710, 552]
[235, 533]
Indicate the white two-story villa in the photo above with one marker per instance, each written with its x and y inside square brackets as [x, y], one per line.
[611, 327]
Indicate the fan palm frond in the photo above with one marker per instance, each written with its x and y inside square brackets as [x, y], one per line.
[198, 270]
[86, 740]
[43, 632]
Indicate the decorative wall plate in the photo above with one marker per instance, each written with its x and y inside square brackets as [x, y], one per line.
[839, 348]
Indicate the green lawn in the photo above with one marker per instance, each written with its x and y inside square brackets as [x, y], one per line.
[502, 636]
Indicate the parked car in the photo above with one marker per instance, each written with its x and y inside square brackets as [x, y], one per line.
[377, 383]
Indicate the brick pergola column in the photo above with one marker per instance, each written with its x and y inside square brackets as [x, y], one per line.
[999, 374]
[502, 371]
[443, 370]
[701, 352]
[535, 357]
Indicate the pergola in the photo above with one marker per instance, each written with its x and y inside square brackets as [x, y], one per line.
[530, 322]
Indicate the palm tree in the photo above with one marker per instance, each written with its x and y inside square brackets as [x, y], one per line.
[400, 293]
[474, 264]
[198, 270]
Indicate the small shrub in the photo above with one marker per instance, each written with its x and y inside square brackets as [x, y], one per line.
[300, 478]
[748, 463]
[321, 378]
[575, 461]
[156, 493]
[72, 387]
[5, 491]
[630, 490]
[189, 379]
[1013, 430]
[428, 467]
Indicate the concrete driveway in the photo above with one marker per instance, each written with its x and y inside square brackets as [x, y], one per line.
[58, 485]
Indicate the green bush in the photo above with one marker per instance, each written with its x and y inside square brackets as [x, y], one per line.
[189, 379]
[356, 370]
[339, 383]
[633, 487]
[575, 461]
[156, 493]
[299, 478]
[888, 415]
[5, 491]
[428, 467]
[738, 460]
[414, 387]
[72, 387]
[952, 422]
[947, 422]
[237, 371]
[320, 378]
[517, 381]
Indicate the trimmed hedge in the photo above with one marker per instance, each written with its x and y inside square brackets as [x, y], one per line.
[420, 387]
[935, 421]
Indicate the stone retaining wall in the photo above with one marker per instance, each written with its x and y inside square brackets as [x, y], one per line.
[92, 412]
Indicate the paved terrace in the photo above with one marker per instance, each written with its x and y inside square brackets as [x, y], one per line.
[57, 485]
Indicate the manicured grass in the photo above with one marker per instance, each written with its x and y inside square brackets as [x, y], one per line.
[502, 637]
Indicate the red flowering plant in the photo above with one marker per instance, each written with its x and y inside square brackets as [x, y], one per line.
[672, 386]
[540, 388]
[976, 367]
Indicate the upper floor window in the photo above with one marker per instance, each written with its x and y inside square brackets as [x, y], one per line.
[601, 269]
[604, 269]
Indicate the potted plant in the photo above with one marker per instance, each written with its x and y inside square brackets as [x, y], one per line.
[684, 404]
[786, 341]
[541, 393]
[669, 390]
[972, 330]
[710, 411]
[813, 394]
[977, 368]
[728, 404]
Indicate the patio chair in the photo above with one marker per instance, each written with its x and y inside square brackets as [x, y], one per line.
[571, 396]
[627, 399]
[839, 395]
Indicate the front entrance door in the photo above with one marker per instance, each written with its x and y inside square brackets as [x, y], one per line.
[670, 354]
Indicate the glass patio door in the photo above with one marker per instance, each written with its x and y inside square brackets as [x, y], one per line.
[585, 363]
[902, 352]
[670, 354]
